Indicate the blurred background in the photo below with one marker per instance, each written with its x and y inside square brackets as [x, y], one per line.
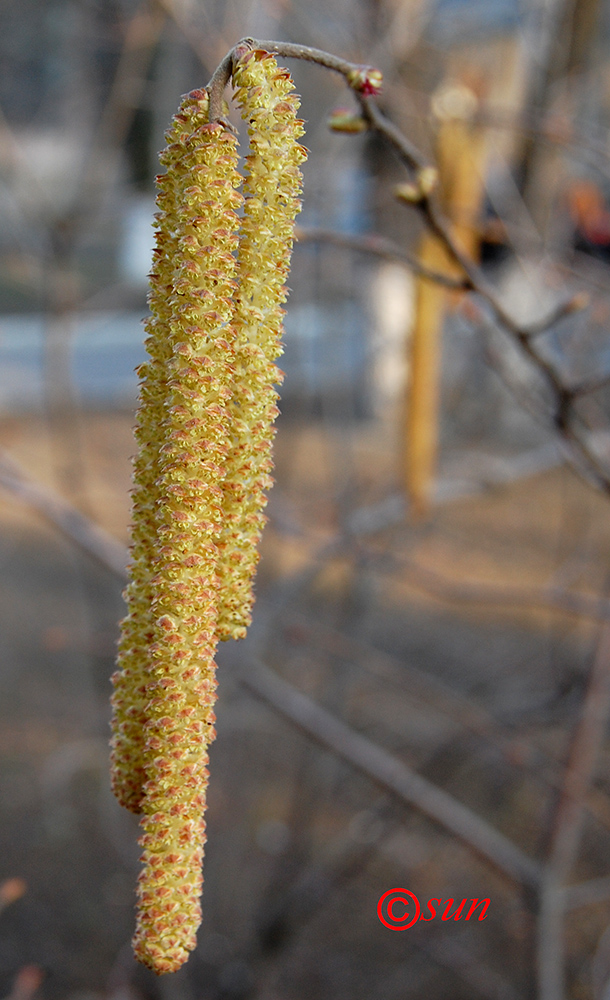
[444, 623]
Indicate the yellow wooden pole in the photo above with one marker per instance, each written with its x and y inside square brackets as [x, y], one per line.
[460, 154]
[423, 390]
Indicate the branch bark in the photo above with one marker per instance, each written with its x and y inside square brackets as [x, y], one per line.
[392, 775]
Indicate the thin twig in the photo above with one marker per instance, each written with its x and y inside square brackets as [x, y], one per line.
[357, 76]
[75, 526]
[216, 88]
[422, 686]
[407, 152]
[379, 246]
[590, 385]
[464, 591]
[392, 775]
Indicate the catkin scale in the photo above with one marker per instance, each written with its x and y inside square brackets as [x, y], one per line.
[204, 431]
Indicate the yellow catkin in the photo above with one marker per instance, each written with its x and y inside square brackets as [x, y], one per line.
[130, 681]
[192, 459]
[205, 432]
[272, 189]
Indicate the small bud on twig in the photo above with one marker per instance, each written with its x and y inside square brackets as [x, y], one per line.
[344, 120]
[422, 187]
[366, 80]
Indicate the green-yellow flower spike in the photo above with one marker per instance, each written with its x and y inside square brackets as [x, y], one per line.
[130, 682]
[192, 455]
[205, 429]
[272, 189]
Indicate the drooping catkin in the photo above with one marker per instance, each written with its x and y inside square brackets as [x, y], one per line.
[205, 433]
[272, 188]
[181, 693]
[130, 681]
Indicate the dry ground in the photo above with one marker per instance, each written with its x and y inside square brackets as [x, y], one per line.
[300, 847]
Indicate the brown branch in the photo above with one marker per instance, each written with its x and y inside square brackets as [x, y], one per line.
[457, 706]
[216, 88]
[463, 591]
[392, 775]
[409, 155]
[289, 50]
[563, 309]
[362, 79]
[75, 526]
[379, 246]
[523, 335]
[360, 752]
[590, 385]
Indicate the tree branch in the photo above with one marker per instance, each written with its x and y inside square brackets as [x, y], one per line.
[75, 526]
[392, 775]
[379, 246]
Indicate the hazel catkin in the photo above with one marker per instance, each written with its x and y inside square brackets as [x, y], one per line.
[204, 430]
[272, 188]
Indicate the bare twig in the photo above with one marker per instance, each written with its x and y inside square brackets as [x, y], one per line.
[379, 246]
[422, 686]
[467, 592]
[75, 526]
[591, 385]
[362, 79]
[563, 309]
[392, 775]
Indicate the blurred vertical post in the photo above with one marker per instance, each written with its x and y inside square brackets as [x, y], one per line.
[460, 156]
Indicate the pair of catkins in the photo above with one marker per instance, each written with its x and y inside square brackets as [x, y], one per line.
[204, 431]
